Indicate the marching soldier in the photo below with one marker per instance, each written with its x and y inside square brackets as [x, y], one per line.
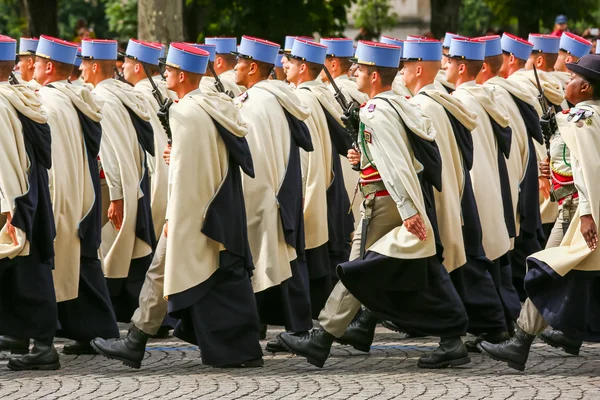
[544, 56]
[523, 109]
[84, 307]
[458, 220]
[27, 298]
[208, 260]
[491, 147]
[329, 224]
[395, 234]
[141, 60]
[568, 271]
[128, 238]
[223, 64]
[398, 87]
[25, 62]
[276, 133]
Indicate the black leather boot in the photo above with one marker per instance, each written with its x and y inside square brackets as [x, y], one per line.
[556, 338]
[42, 357]
[360, 332]
[314, 345]
[130, 350]
[14, 345]
[451, 352]
[78, 348]
[514, 351]
[497, 337]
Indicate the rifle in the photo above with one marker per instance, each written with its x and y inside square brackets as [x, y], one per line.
[163, 104]
[548, 118]
[547, 123]
[218, 83]
[350, 118]
[12, 79]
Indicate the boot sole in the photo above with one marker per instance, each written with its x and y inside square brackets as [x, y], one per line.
[363, 348]
[511, 364]
[569, 350]
[128, 363]
[445, 364]
[48, 367]
[311, 360]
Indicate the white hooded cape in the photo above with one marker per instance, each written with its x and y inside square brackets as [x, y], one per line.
[71, 187]
[122, 159]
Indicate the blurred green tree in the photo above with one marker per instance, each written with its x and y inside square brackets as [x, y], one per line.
[373, 16]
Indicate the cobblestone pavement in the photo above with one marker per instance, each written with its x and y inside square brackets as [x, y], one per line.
[172, 370]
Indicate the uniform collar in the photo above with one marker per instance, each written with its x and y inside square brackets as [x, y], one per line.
[194, 92]
[431, 86]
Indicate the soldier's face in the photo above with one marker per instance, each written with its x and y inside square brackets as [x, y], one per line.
[25, 67]
[578, 89]
[128, 69]
[171, 77]
[452, 70]
[293, 70]
[242, 68]
[86, 70]
[40, 69]
[409, 73]
[505, 66]
[363, 78]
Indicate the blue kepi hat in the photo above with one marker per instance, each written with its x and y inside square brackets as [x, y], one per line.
[99, 49]
[8, 48]
[258, 49]
[146, 52]
[56, 49]
[187, 58]
[309, 51]
[377, 54]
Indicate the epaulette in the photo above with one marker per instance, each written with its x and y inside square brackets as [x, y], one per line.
[580, 115]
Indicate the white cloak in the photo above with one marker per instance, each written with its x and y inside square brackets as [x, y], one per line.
[122, 160]
[71, 187]
[15, 163]
[485, 172]
[193, 257]
[269, 139]
[158, 170]
[448, 201]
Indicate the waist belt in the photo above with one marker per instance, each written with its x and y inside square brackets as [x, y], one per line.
[561, 187]
[377, 188]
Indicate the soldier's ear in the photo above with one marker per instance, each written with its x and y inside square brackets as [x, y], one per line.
[569, 59]
[419, 70]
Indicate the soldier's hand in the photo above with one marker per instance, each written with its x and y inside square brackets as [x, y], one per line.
[353, 157]
[589, 231]
[416, 226]
[166, 229]
[115, 213]
[11, 230]
[544, 186]
[545, 168]
[167, 154]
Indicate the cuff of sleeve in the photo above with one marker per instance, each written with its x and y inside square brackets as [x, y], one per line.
[115, 193]
[407, 209]
[5, 206]
[584, 208]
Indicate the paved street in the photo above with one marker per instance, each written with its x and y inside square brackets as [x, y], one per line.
[172, 370]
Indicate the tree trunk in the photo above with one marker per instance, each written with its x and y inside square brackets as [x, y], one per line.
[195, 18]
[42, 17]
[444, 17]
[160, 21]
